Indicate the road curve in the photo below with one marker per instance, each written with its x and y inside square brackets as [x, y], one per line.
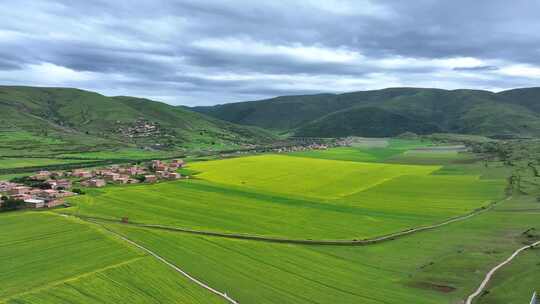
[494, 269]
[174, 267]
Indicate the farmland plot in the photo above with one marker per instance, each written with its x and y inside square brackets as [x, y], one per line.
[316, 178]
[366, 150]
[50, 259]
[375, 199]
[433, 267]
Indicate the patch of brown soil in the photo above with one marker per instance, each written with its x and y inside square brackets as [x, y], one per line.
[433, 286]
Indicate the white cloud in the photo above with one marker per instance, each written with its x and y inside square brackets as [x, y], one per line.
[351, 7]
[400, 62]
[298, 51]
[520, 70]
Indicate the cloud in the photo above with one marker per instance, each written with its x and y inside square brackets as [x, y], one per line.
[477, 68]
[204, 52]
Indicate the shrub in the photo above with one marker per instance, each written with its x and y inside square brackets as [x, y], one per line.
[78, 191]
[141, 178]
[11, 204]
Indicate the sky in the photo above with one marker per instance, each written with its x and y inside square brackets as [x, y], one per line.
[197, 52]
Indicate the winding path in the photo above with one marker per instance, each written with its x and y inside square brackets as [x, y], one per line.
[494, 269]
[174, 267]
[344, 242]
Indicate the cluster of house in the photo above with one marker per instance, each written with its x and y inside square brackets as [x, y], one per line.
[301, 148]
[52, 196]
[58, 184]
[278, 149]
[141, 128]
[158, 170]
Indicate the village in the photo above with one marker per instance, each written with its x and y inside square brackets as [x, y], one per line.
[46, 189]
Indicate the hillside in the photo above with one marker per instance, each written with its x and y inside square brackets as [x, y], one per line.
[392, 111]
[70, 119]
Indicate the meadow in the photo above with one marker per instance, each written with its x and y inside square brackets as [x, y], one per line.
[299, 176]
[13, 162]
[366, 150]
[432, 267]
[47, 258]
[430, 157]
[295, 197]
[121, 154]
[298, 198]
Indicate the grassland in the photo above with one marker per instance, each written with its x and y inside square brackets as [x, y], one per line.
[52, 121]
[512, 285]
[12, 162]
[289, 197]
[299, 198]
[430, 157]
[439, 266]
[366, 150]
[300, 176]
[46, 142]
[51, 259]
[122, 154]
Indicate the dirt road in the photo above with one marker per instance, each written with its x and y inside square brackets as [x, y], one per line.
[494, 269]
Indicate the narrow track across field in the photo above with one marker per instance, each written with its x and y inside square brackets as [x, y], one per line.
[494, 269]
[174, 267]
[344, 242]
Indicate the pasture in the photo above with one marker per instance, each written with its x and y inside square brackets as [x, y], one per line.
[299, 176]
[438, 266]
[47, 258]
[365, 150]
[296, 197]
[121, 154]
[299, 198]
[14, 162]
[430, 157]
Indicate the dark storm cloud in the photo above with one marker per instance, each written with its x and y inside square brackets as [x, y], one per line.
[202, 52]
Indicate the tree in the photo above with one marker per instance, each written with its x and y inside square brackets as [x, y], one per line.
[78, 191]
[141, 178]
[12, 204]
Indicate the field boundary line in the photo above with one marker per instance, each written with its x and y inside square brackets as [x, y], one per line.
[164, 261]
[490, 274]
[73, 278]
[344, 242]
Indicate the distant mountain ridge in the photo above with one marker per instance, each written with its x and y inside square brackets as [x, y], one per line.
[392, 111]
[80, 117]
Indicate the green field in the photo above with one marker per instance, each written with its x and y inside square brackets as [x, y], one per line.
[12, 162]
[52, 259]
[315, 197]
[299, 198]
[122, 154]
[438, 266]
[310, 177]
[513, 283]
[366, 150]
[430, 157]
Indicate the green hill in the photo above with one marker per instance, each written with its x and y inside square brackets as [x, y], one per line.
[60, 119]
[392, 111]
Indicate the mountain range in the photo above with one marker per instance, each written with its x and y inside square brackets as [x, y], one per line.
[78, 117]
[392, 111]
[59, 119]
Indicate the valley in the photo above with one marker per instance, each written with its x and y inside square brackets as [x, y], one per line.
[243, 225]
